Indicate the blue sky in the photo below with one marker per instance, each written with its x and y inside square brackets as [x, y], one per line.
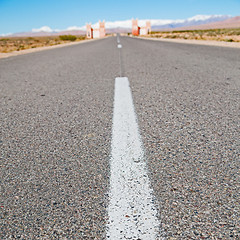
[24, 15]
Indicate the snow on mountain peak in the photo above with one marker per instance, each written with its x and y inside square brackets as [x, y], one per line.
[42, 29]
[204, 17]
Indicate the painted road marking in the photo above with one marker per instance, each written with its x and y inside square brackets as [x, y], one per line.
[118, 38]
[120, 55]
[132, 214]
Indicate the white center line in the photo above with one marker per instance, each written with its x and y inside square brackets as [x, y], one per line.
[132, 214]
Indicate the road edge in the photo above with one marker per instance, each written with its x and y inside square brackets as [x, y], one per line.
[195, 42]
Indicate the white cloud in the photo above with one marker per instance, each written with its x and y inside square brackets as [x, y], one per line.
[42, 29]
[159, 22]
[75, 28]
[199, 18]
[5, 34]
[120, 24]
[49, 30]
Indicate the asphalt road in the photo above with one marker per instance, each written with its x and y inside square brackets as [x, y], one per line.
[56, 121]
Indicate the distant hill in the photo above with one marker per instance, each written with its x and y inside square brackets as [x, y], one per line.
[228, 23]
[194, 21]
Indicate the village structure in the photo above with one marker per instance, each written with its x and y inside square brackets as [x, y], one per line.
[136, 30]
[96, 33]
[101, 31]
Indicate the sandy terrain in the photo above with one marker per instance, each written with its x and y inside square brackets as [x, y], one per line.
[15, 53]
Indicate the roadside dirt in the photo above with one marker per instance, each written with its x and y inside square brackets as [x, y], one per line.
[197, 42]
[31, 50]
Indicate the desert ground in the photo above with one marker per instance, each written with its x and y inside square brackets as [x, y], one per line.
[12, 44]
[225, 35]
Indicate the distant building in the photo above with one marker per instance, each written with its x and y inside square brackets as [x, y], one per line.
[96, 33]
[89, 31]
[136, 30]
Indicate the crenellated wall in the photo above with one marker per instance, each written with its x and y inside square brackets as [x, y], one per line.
[96, 33]
[136, 30]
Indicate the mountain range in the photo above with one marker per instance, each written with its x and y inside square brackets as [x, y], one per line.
[196, 22]
[228, 23]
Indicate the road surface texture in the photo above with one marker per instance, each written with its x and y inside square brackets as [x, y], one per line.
[187, 100]
[56, 123]
[56, 119]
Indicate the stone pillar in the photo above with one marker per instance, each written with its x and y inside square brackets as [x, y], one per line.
[89, 31]
[148, 27]
[102, 30]
[135, 28]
